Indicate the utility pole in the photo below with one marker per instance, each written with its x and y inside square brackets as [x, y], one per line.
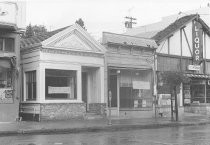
[129, 23]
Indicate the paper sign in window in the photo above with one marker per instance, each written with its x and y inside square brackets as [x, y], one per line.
[59, 90]
[141, 85]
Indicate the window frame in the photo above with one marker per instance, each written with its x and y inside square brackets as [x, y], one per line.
[4, 44]
[71, 77]
[26, 97]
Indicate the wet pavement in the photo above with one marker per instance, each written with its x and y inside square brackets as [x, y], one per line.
[188, 135]
[83, 126]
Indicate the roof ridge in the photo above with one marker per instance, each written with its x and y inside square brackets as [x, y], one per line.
[128, 35]
[173, 26]
[38, 38]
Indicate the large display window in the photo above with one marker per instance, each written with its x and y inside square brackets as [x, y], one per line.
[60, 84]
[6, 82]
[135, 89]
[198, 93]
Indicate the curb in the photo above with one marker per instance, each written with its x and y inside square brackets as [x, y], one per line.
[107, 128]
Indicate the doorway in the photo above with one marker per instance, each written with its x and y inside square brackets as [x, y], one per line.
[113, 88]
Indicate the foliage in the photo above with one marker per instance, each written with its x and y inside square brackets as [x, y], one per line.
[29, 31]
[34, 30]
[81, 23]
[39, 29]
[174, 78]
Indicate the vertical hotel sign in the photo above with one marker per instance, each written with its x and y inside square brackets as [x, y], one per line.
[197, 37]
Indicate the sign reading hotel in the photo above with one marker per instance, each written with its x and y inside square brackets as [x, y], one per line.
[197, 40]
[59, 90]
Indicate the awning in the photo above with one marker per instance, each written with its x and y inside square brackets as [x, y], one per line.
[201, 76]
[8, 26]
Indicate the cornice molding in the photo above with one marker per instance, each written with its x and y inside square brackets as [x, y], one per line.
[70, 52]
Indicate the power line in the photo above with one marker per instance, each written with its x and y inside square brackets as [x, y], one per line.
[129, 23]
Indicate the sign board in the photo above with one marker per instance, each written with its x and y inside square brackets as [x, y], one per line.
[208, 82]
[197, 40]
[59, 90]
[164, 99]
[144, 103]
[141, 85]
[12, 12]
[8, 13]
[194, 67]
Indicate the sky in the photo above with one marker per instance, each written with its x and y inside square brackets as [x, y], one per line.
[103, 15]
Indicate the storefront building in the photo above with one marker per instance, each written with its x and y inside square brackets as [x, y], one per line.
[184, 47]
[9, 61]
[130, 71]
[63, 75]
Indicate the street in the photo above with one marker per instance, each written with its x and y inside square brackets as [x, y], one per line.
[190, 135]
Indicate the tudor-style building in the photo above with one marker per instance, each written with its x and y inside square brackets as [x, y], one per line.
[63, 75]
[184, 47]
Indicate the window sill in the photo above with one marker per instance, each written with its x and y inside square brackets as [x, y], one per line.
[61, 101]
[137, 109]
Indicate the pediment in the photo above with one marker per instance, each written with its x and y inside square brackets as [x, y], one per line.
[74, 38]
[72, 42]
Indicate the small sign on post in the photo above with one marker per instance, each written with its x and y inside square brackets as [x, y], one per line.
[194, 67]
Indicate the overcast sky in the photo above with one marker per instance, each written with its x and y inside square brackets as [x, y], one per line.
[103, 15]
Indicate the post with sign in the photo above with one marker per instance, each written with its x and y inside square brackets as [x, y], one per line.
[110, 100]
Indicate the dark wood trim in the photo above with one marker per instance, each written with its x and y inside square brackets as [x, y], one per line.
[204, 59]
[173, 56]
[162, 45]
[187, 42]
[181, 49]
[168, 45]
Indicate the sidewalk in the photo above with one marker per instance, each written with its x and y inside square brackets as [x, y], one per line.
[77, 126]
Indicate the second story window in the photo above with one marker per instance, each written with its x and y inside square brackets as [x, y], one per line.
[7, 44]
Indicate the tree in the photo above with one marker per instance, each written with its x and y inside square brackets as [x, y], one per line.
[39, 29]
[34, 30]
[29, 31]
[81, 23]
[173, 80]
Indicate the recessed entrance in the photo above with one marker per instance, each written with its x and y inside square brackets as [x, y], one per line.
[91, 86]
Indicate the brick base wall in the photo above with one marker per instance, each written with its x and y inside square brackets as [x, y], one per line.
[62, 111]
[98, 108]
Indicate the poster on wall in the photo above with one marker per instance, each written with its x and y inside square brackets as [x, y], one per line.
[6, 96]
[186, 93]
[164, 99]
